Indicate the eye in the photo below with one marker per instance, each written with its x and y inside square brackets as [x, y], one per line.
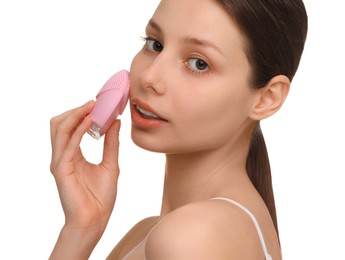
[153, 45]
[197, 65]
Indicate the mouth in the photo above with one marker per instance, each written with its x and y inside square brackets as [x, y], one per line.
[144, 117]
[146, 114]
[145, 111]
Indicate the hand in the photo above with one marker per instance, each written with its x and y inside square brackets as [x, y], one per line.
[87, 191]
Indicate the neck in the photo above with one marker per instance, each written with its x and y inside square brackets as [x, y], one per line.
[200, 176]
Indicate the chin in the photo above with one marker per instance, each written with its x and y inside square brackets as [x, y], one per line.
[157, 144]
[148, 141]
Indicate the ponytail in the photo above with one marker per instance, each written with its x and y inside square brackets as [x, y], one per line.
[259, 171]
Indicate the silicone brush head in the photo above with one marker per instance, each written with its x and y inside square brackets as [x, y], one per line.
[111, 101]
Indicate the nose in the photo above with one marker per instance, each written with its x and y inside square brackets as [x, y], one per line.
[153, 76]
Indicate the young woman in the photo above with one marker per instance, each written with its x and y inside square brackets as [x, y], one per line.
[208, 73]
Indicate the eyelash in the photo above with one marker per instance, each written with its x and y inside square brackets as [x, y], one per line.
[196, 72]
[187, 67]
[146, 40]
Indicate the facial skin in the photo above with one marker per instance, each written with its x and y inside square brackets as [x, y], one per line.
[193, 72]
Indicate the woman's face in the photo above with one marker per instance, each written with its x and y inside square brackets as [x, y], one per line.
[191, 80]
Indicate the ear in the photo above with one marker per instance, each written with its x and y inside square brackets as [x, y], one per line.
[271, 97]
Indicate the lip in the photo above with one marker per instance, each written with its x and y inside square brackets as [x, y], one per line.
[141, 122]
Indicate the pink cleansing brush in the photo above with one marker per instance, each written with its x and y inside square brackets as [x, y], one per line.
[111, 101]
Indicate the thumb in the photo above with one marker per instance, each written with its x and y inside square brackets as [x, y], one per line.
[111, 148]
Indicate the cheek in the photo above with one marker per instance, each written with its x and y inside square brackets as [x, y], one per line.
[135, 68]
[212, 119]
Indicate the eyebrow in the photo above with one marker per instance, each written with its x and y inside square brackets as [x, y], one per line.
[188, 39]
[202, 43]
[155, 26]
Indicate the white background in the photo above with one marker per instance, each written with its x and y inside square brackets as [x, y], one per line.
[55, 55]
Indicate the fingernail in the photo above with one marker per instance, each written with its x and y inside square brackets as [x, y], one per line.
[89, 102]
[86, 118]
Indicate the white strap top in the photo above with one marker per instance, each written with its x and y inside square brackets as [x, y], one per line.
[258, 229]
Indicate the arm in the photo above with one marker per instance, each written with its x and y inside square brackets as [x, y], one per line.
[75, 244]
[87, 191]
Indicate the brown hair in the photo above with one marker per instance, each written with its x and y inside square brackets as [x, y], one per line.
[275, 33]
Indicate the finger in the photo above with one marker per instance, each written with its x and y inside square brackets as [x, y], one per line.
[64, 125]
[72, 118]
[111, 148]
[72, 151]
[80, 112]
[60, 143]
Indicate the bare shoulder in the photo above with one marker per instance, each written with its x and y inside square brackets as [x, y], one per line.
[134, 236]
[204, 230]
